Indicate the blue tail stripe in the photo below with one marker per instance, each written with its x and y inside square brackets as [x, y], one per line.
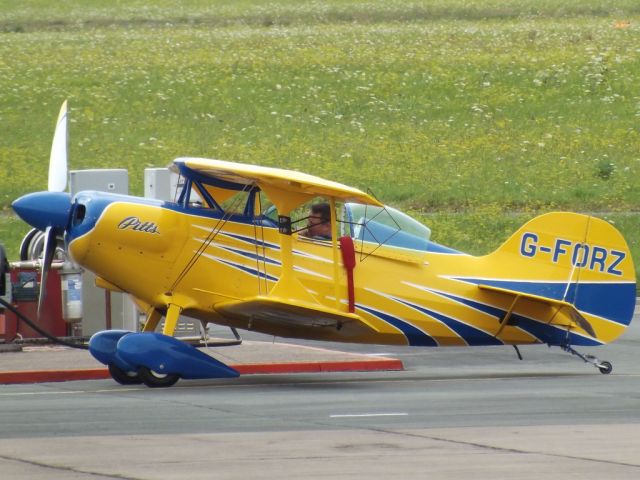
[253, 256]
[469, 334]
[415, 336]
[613, 301]
[249, 270]
[496, 312]
[549, 334]
[253, 241]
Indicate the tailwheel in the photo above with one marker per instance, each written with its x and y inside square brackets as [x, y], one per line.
[123, 377]
[602, 365]
[605, 367]
[154, 379]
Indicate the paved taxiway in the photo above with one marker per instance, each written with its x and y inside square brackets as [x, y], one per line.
[453, 413]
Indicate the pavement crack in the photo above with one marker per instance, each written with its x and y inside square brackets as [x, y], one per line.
[63, 468]
[503, 449]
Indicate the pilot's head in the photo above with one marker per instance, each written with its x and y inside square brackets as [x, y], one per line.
[319, 221]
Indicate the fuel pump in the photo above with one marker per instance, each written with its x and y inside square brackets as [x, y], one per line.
[19, 304]
[62, 310]
[71, 282]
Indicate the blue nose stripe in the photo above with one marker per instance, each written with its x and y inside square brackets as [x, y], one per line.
[44, 209]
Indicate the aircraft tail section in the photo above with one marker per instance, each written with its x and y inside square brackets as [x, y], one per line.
[576, 266]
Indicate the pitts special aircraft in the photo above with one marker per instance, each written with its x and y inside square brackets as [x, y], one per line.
[233, 249]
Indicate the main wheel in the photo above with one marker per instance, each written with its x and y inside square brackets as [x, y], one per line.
[157, 380]
[122, 377]
[605, 367]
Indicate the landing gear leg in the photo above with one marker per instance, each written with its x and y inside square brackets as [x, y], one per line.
[604, 366]
[518, 352]
[153, 318]
[171, 319]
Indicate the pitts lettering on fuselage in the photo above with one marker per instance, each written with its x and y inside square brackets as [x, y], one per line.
[134, 223]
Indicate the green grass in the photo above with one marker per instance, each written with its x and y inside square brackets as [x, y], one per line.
[460, 111]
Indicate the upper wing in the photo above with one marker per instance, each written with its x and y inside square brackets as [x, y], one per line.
[275, 178]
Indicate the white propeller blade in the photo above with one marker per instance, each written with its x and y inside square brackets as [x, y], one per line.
[58, 159]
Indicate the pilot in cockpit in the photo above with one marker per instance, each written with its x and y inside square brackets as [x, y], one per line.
[319, 226]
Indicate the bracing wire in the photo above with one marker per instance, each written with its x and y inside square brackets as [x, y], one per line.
[210, 237]
[363, 255]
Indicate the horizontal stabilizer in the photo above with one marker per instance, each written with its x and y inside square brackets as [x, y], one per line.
[567, 315]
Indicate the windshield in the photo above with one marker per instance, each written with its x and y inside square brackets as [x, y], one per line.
[386, 226]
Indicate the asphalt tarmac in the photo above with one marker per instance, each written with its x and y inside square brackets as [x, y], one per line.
[452, 414]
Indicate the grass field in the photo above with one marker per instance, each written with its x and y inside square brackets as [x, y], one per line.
[472, 115]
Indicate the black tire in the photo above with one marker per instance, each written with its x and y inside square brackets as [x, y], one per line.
[157, 380]
[26, 243]
[605, 368]
[27, 246]
[122, 377]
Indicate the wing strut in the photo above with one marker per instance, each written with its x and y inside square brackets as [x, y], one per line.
[349, 262]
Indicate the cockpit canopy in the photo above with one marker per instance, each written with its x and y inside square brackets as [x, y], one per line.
[387, 226]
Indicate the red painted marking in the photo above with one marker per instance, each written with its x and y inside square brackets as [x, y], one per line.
[309, 367]
[39, 376]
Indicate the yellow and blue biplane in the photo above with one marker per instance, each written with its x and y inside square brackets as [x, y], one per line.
[234, 249]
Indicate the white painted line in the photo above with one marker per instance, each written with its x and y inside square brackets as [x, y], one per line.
[115, 389]
[29, 394]
[370, 415]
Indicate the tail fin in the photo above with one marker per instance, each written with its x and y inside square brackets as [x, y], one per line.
[573, 260]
